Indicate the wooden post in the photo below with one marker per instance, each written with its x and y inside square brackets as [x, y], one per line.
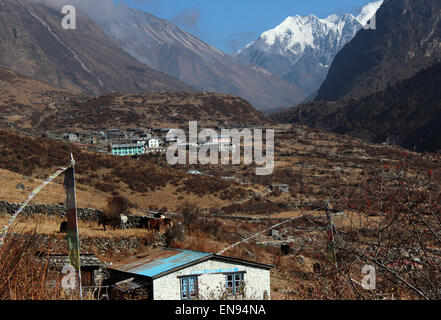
[331, 231]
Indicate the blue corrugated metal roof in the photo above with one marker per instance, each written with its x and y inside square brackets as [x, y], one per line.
[160, 261]
[180, 259]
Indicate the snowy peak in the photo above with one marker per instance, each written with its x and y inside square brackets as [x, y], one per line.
[163, 46]
[302, 48]
[302, 31]
[333, 18]
[295, 33]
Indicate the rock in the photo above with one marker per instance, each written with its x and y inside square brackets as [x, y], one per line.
[20, 186]
[281, 187]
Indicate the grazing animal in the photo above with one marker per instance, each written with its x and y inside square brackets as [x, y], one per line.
[104, 220]
[168, 222]
[157, 215]
[317, 268]
[152, 224]
[286, 249]
[63, 227]
[159, 225]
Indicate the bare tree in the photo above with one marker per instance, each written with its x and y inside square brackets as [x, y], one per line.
[116, 206]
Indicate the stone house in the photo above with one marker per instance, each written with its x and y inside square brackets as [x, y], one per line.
[92, 269]
[70, 137]
[175, 274]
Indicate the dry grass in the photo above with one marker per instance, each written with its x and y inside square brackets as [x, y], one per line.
[22, 276]
[54, 193]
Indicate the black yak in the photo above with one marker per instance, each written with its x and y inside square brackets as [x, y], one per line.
[104, 220]
[317, 268]
[286, 249]
[63, 227]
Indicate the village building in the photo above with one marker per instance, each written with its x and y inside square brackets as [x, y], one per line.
[92, 269]
[174, 139]
[103, 135]
[223, 142]
[51, 135]
[144, 135]
[128, 149]
[80, 145]
[92, 137]
[152, 143]
[116, 134]
[172, 134]
[221, 139]
[148, 142]
[139, 140]
[155, 150]
[217, 147]
[70, 137]
[175, 274]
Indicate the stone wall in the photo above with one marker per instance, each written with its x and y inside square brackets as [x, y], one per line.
[84, 214]
[93, 244]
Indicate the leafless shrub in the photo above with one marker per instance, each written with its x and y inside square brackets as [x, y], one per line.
[397, 226]
[190, 214]
[22, 275]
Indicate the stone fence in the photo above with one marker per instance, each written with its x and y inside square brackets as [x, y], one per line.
[59, 211]
[84, 214]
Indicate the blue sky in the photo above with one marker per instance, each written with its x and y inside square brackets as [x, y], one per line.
[231, 24]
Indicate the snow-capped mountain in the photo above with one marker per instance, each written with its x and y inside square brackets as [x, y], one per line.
[302, 48]
[163, 46]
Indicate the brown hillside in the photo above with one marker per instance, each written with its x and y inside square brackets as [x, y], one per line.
[33, 43]
[34, 107]
[146, 181]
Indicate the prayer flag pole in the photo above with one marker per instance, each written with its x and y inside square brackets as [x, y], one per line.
[73, 241]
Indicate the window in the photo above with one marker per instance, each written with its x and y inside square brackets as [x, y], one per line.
[189, 288]
[235, 283]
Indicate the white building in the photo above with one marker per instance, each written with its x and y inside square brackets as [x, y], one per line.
[70, 137]
[224, 142]
[152, 143]
[174, 274]
[221, 139]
